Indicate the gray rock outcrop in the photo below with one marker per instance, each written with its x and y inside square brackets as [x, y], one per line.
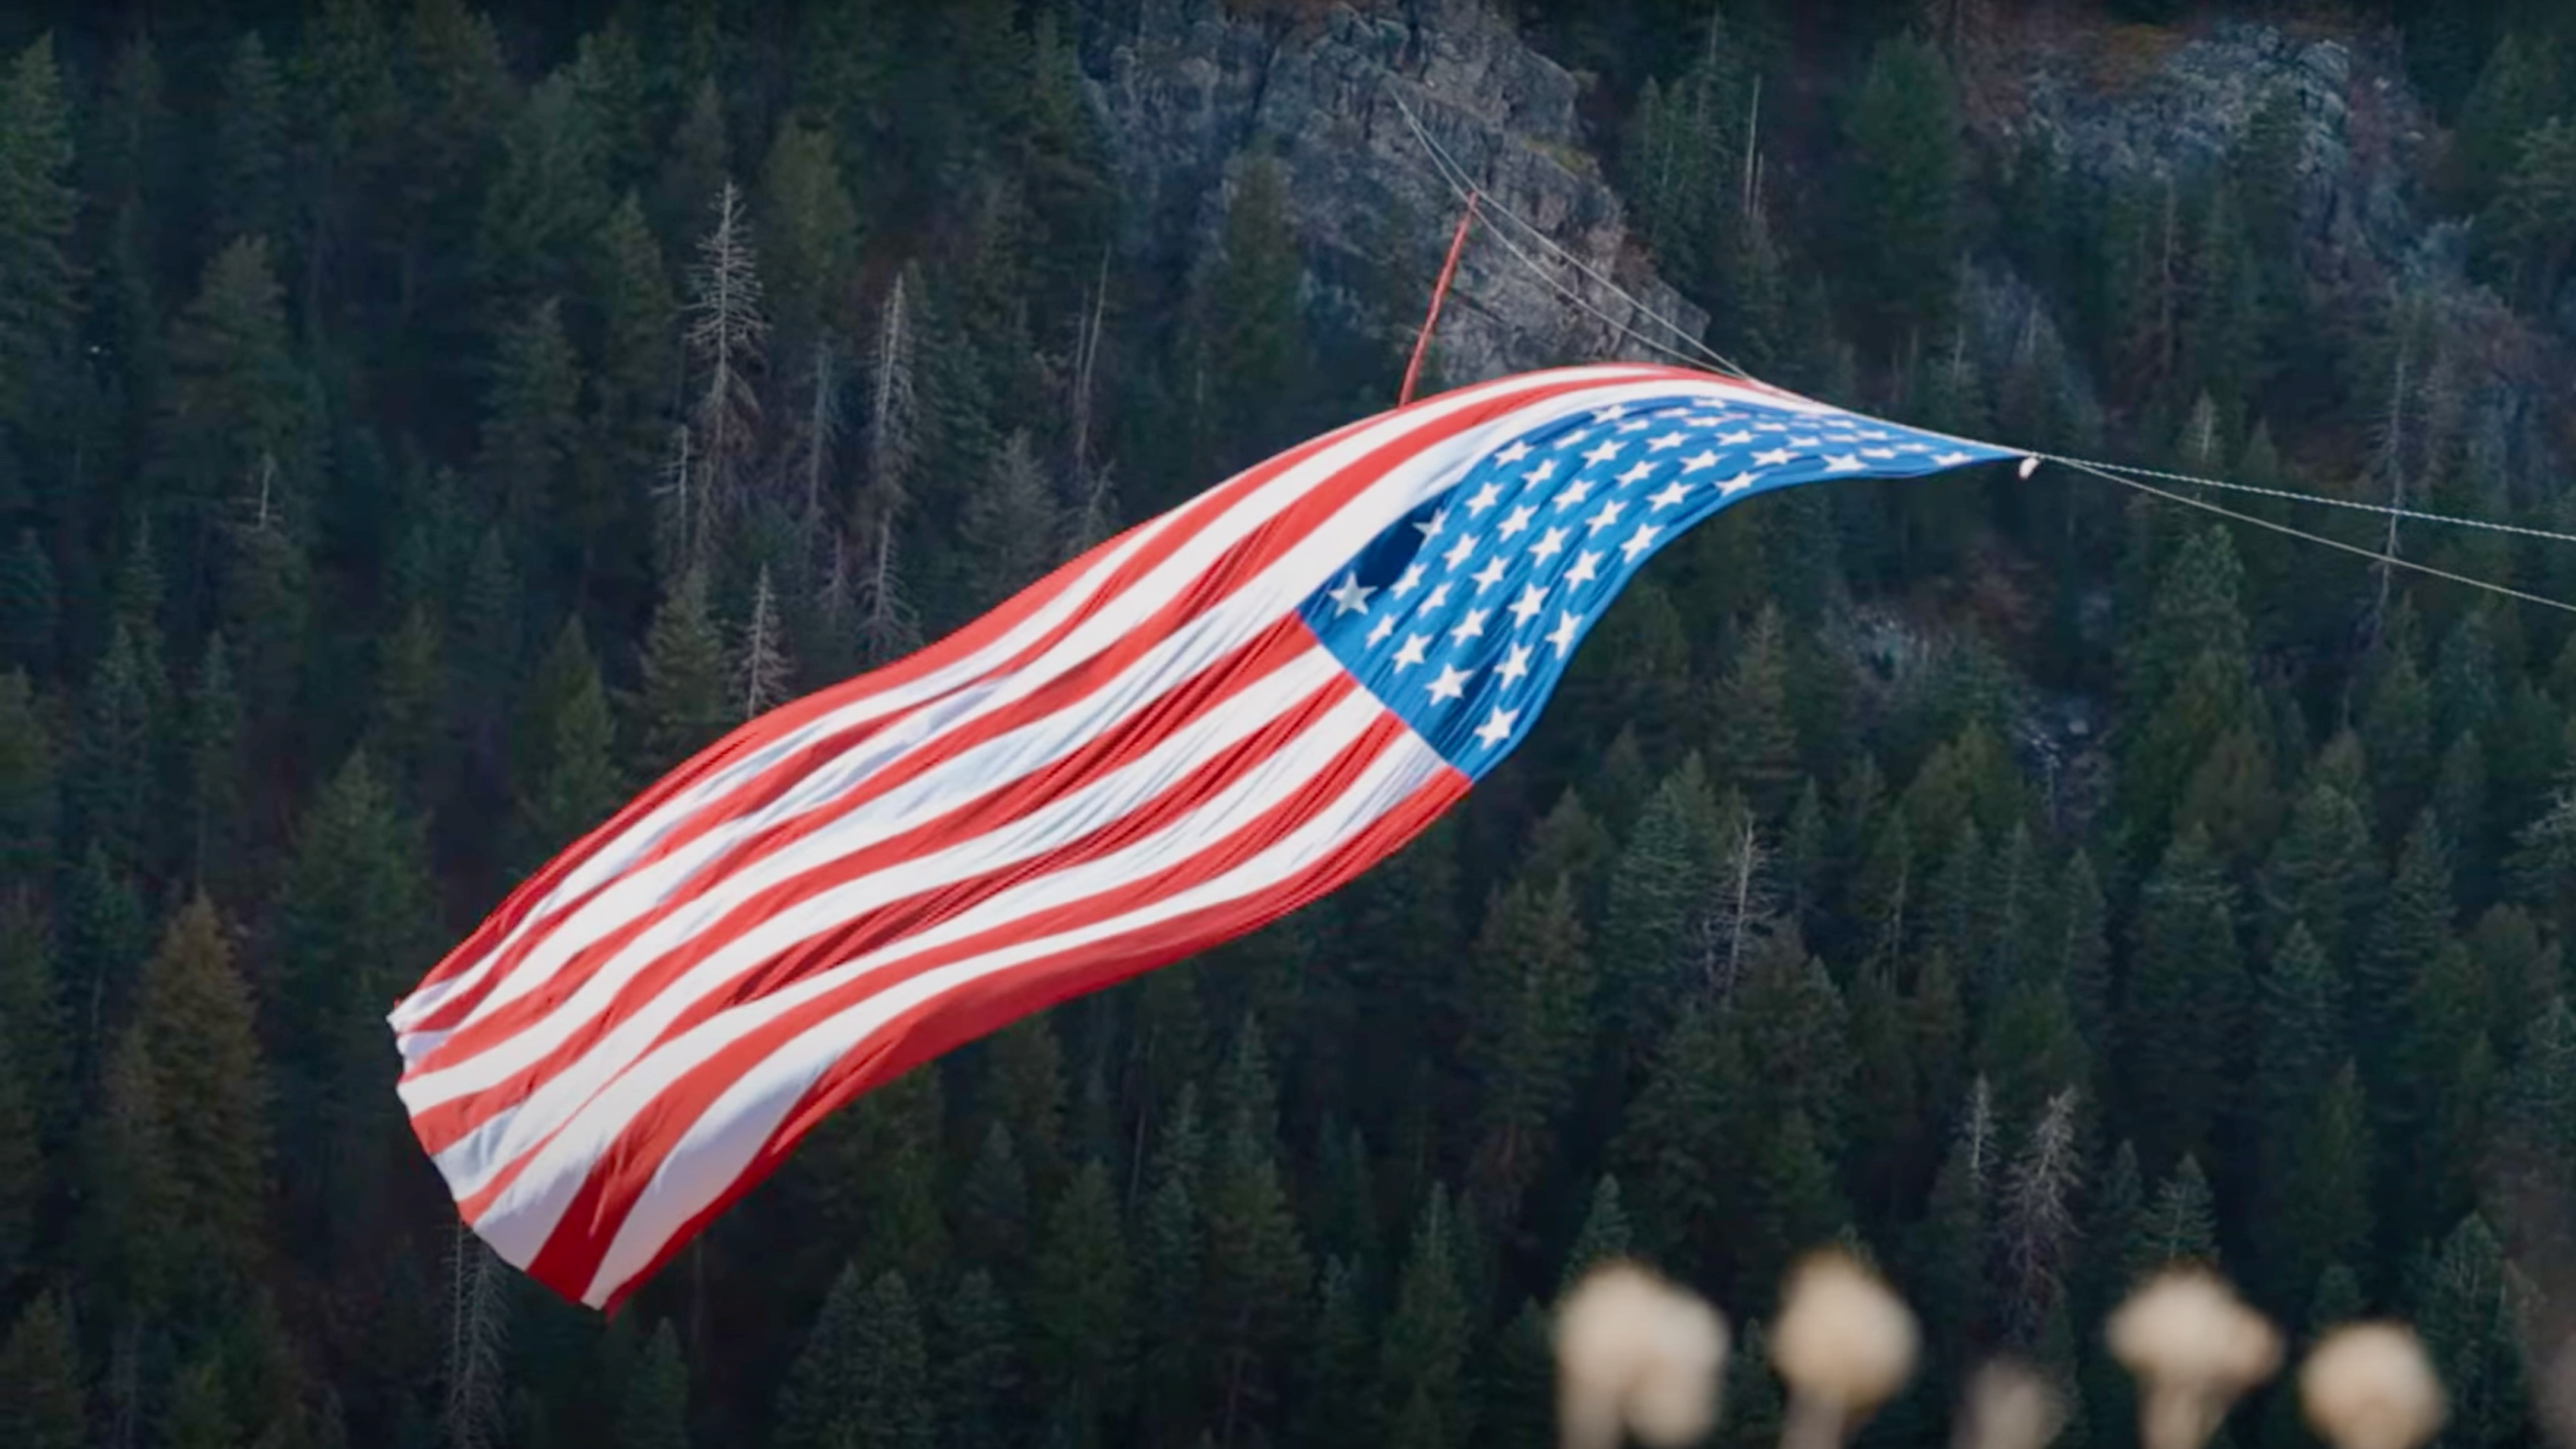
[1196, 87]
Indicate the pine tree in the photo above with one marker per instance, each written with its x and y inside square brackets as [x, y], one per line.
[2179, 1226]
[1758, 751]
[2299, 1039]
[1257, 346]
[2037, 1221]
[2185, 992]
[809, 232]
[233, 430]
[1530, 1026]
[545, 199]
[1520, 1384]
[1903, 134]
[478, 1326]
[762, 669]
[27, 787]
[1656, 878]
[2084, 954]
[726, 335]
[976, 1377]
[1603, 1236]
[193, 1023]
[531, 418]
[1169, 1259]
[1796, 1205]
[1333, 1400]
[2466, 1308]
[1951, 1259]
[217, 774]
[41, 1394]
[247, 187]
[111, 792]
[680, 708]
[572, 776]
[1257, 1273]
[2323, 1214]
[2321, 873]
[1683, 1138]
[2413, 927]
[1421, 1389]
[1008, 527]
[633, 363]
[1081, 1336]
[38, 208]
[30, 606]
[653, 1413]
[409, 727]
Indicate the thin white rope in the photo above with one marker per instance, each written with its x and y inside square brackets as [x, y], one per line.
[1577, 298]
[2383, 509]
[1462, 185]
[1455, 175]
[2371, 554]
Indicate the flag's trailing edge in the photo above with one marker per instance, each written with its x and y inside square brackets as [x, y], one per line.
[1193, 729]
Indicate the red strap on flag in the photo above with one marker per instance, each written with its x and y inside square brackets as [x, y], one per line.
[1439, 294]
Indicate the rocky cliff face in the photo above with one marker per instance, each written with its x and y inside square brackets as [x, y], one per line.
[1195, 87]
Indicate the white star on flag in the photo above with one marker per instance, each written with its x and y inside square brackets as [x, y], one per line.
[1773, 458]
[1608, 515]
[1603, 454]
[1432, 601]
[1513, 454]
[1550, 544]
[1409, 653]
[1431, 526]
[1451, 684]
[1499, 728]
[1667, 441]
[1532, 602]
[1486, 497]
[1699, 463]
[1638, 474]
[1562, 636]
[1610, 414]
[1511, 669]
[1385, 625]
[1573, 495]
[1738, 483]
[1735, 440]
[1844, 463]
[1490, 575]
[1412, 580]
[1545, 470]
[1461, 551]
[1471, 627]
[1352, 597]
[1585, 570]
[1640, 541]
[1673, 492]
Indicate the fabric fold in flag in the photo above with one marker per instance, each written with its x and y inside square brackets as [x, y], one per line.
[1193, 729]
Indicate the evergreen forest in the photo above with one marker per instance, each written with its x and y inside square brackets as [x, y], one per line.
[422, 425]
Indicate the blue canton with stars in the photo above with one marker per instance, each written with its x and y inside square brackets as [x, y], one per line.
[1463, 616]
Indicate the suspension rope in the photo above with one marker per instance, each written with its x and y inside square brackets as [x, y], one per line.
[2300, 533]
[1459, 182]
[2384, 510]
[2126, 476]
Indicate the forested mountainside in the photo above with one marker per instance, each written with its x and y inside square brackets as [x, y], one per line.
[422, 425]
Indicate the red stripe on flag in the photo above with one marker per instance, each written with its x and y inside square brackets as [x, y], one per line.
[985, 1005]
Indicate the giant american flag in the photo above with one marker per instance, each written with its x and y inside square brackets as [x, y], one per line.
[1194, 728]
